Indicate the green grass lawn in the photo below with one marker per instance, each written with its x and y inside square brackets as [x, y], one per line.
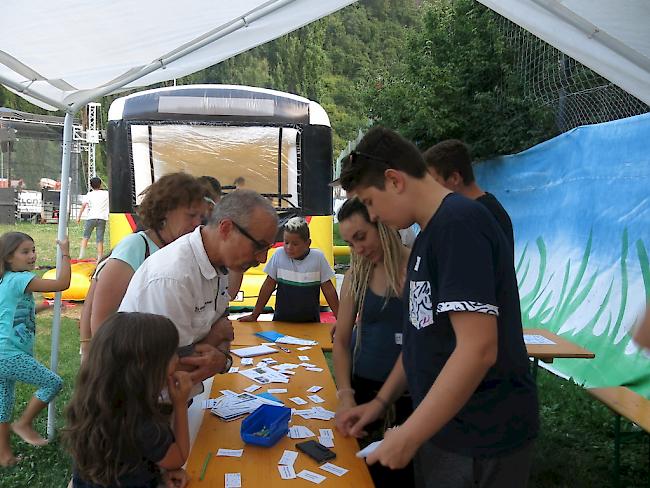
[575, 448]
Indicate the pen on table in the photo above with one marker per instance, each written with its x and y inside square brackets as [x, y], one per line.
[284, 349]
[205, 466]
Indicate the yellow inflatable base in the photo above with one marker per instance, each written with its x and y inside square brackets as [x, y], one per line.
[79, 281]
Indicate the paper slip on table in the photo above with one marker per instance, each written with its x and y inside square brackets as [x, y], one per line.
[259, 465]
[561, 348]
[315, 331]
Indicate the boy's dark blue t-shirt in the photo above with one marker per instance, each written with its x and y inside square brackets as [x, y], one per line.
[462, 261]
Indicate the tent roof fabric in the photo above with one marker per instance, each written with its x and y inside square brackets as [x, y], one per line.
[612, 38]
[64, 52]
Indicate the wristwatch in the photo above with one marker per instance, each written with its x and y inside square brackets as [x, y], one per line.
[228, 365]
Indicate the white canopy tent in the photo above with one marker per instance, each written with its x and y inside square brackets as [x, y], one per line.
[62, 55]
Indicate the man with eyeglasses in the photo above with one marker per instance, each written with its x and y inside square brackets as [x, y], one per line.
[187, 280]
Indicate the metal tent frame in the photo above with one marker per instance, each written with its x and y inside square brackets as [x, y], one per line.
[80, 98]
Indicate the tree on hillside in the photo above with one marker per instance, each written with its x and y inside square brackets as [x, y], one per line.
[457, 80]
[329, 61]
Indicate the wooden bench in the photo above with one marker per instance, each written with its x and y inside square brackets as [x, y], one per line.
[624, 403]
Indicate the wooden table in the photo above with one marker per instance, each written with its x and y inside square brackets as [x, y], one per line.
[316, 331]
[258, 465]
[562, 348]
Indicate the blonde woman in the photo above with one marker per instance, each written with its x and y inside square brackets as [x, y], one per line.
[370, 298]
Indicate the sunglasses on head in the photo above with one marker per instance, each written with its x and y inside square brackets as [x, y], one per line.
[354, 158]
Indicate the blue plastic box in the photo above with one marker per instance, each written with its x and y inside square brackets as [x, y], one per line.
[272, 420]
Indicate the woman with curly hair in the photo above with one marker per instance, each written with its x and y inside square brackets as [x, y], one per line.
[172, 207]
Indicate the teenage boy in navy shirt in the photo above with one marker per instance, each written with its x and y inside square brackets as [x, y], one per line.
[463, 356]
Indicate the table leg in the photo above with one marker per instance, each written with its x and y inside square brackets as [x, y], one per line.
[617, 451]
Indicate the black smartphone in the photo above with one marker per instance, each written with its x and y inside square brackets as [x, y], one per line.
[316, 451]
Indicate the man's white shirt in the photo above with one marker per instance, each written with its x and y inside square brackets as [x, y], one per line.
[180, 283]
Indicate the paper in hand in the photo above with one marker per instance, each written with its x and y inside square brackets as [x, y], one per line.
[363, 453]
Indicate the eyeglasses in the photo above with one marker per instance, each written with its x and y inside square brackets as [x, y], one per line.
[260, 246]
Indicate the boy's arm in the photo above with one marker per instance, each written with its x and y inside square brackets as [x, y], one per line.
[475, 352]
[83, 207]
[265, 293]
[330, 295]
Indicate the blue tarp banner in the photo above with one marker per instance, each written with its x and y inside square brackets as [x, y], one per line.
[580, 207]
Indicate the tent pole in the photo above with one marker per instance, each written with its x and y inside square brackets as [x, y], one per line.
[61, 234]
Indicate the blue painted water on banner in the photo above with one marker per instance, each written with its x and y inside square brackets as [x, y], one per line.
[580, 206]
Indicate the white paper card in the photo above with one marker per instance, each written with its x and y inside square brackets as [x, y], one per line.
[318, 370]
[233, 369]
[233, 480]
[247, 361]
[326, 441]
[304, 358]
[334, 469]
[536, 339]
[314, 389]
[326, 433]
[287, 472]
[252, 388]
[230, 452]
[247, 352]
[209, 403]
[298, 400]
[309, 476]
[363, 453]
[304, 348]
[277, 390]
[315, 398]
[288, 458]
[295, 341]
[300, 432]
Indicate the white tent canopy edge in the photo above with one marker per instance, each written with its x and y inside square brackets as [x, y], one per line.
[117, 60]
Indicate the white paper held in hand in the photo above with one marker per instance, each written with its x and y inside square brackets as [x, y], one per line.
[363, 453]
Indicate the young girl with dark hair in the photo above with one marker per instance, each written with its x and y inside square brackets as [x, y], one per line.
[17, 330]
[116, 432]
